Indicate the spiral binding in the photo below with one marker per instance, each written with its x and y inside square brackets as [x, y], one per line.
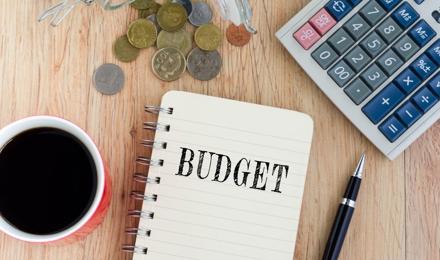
[141, 178]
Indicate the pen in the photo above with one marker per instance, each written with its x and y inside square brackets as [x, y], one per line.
[345, 212]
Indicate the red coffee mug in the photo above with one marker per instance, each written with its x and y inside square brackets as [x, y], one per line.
[101, 201]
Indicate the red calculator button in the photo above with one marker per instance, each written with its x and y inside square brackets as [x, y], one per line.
[322, 21]
[307, 36]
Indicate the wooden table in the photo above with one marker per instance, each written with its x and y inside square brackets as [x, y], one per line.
[45, 70]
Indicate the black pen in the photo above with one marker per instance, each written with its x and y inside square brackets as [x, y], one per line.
[345, 212]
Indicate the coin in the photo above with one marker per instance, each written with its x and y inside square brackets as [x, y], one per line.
[142, 33]
[168, 64]
[208, 37]
[108, 79]
[204, 65]
[144, 13]
[238, 35]
[123, 50]
[187, 4]
[143, 4]
[171, 17]
[201, 14]
[180, 40]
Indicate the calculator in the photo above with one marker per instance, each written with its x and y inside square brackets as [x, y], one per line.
[377, 60]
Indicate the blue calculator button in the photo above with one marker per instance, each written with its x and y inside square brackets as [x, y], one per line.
[408, 114]
[434, 52]
[388, 5]
[434, 84]
[392, 128]
[383, 103]
[338, 8]
[419, 2]
[424, 99]
[422, 33]
[424, 67]
[405, 15]
[355, 2]
[407, 81]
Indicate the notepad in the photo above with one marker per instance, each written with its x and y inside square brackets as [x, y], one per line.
[231, 180]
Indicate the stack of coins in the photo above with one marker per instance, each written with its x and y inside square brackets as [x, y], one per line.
[164, 26]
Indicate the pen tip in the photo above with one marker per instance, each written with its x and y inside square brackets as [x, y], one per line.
[360, 167]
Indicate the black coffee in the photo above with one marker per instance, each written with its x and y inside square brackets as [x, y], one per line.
[47, 181]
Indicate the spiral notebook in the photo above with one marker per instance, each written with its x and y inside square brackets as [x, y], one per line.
[225, 181]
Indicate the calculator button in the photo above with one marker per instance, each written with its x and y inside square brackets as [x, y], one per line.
[408, 114]
[355, 2]
[422, 33]
[357, 59]
[374, 77]
[424, 67]
[325, 55]
[373, 44]
[424, 99]
[434, 84]
[419, 1]
[389, 30]
[338, 8]
[356, 27]
[434, 52]
[358, 91]
[372, 12]
[407, 81]
[390, 62]
[341, 73]
[383, 103]
[405, 15]
[388, 4]
[341, 41]
[306, 36]
[406, 48]
[322, 21]
[392, 128]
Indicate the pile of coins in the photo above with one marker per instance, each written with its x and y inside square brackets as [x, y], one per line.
[164, 26]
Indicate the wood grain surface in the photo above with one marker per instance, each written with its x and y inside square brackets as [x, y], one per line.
[45, 70]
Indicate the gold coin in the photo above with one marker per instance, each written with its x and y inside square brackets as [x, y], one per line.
[123, 50]
[180, 40]
[208, 37]
[171, 17]
[142, 33]
[143, 4]
[168, 64]
[144, 13]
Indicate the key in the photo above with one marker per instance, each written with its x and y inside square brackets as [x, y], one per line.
[434, 84]
[383, 103]
[355, 2]
[357, 59]
[341, 41]
[392, 128]
[325, 56]
[322, 21]
[338, 8]
[405, 15]
[373, 44]
[407, 81]
[341, 73]
[424, 99]
[358, 91]
[389, 62]
[406, 48]
[372, 12]
[388, 5]
[423, 67]
[356, 27]
[408, 114]
[374, 77]
[422, 33]
[307, 36]
[389, 30]
[434, 52]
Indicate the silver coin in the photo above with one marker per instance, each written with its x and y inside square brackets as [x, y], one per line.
[108, 79]
[204, 65]
[187, 4]
[201, 14]
[153, 19]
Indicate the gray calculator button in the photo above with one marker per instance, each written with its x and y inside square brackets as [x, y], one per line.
[341, 73]
[358, 91]
[390, 62]
[325, 56]
[374, 77]
[373, 44]
[389, 30]
[357, 59]
[373, 12]
[357, 27]
[341, 41]
[406, 48]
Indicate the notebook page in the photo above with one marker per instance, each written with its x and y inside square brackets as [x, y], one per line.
[232, 181]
